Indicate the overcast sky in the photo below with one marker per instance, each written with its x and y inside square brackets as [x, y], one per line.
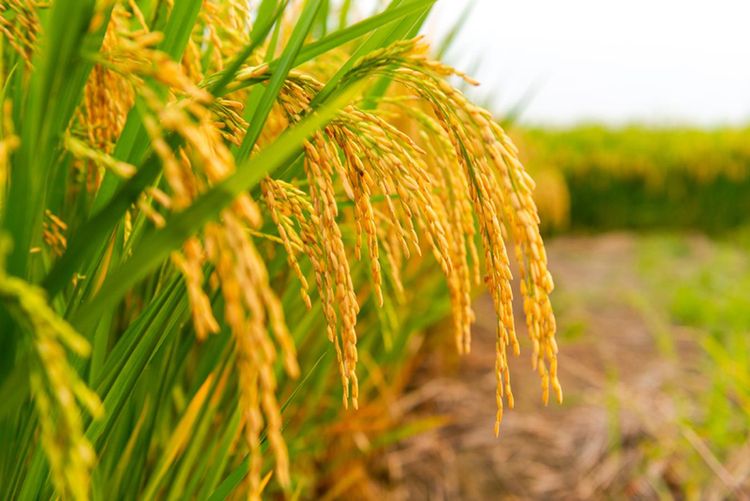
[615, 61]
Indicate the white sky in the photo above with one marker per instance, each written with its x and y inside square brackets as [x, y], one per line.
[615, 61]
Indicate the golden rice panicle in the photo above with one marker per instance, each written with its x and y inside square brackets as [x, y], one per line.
[453, 189]
[20, 28]
[374, 156]
[392, 246]
[229, 120]
[320, 157]
[189, 262]
[482, 191]
[358, 187]
[386, 159]
[292, 204]
[250, 305]
[223, 27]
[454, 212]
[53, 233]
[282, 213]
[108, 96]
[58, 391]
[252, 309]
[264, 311]
[378, 156]
[130, 51]
[537, 283]
[523, 221]
[212, 19]
[247, 366]
[323, 240]
[500, 195]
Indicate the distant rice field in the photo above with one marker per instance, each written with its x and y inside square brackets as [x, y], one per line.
[595, 178]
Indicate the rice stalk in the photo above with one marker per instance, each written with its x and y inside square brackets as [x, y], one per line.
[164, 122]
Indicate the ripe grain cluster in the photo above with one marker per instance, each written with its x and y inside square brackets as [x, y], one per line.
[183, 158]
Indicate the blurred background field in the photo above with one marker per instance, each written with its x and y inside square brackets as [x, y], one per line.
[594, 178]
[654, 361]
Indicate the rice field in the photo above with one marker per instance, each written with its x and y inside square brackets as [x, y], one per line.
[592, 177]
[271, 250]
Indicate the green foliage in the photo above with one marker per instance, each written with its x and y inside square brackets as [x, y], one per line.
[641, 178]
[710, 299]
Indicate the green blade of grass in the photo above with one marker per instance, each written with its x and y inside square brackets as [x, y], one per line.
[168, 324]
[408, 28]
[178, 28]
[321, 21]
[97, 229]
[230, 483]
[198, 420]
[269, 13]
[286, 61]
[194, 458]
[223, 453]
[343, 36]
[346, 5]
[136, 333]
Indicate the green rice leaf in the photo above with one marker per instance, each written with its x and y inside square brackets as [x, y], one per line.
[258, 120]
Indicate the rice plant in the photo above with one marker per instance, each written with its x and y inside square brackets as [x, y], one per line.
[200, 200]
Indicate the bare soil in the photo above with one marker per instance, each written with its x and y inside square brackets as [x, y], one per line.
[618, 388]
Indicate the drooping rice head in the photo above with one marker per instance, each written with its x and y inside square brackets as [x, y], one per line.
[424, 172]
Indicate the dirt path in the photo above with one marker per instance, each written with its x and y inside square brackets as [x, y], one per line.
[616, 385]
